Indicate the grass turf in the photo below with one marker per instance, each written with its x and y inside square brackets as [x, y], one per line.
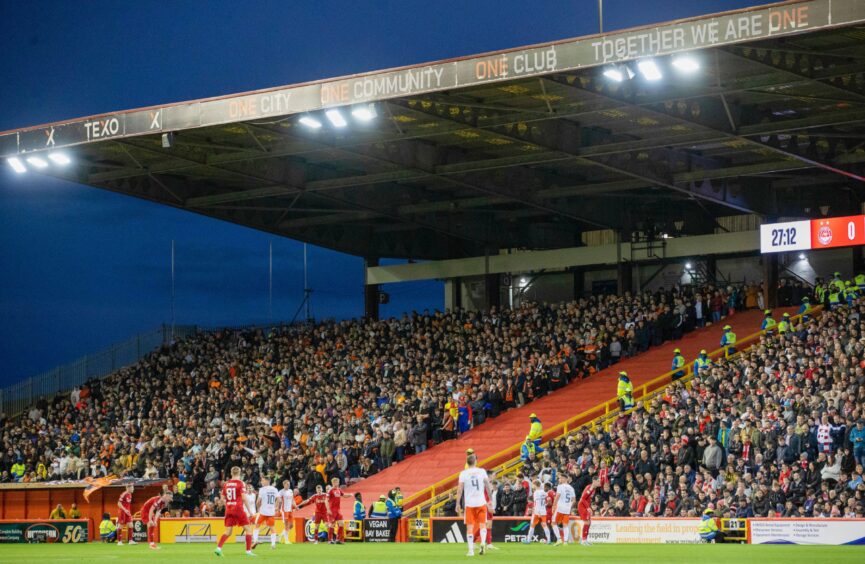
[437, 552]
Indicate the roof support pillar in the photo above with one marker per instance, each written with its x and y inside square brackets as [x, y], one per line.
[770, 279]
[492, 283]
[370, 291]
[624, 267]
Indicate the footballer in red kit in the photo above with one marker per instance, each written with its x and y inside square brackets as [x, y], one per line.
[150, 512]
[322, 511]
[235, 514]
[124, 515]
[232, 493]
[335, 521]
[584, 508]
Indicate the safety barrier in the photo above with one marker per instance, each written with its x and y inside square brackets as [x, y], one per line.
[604, 530]
[426, 502]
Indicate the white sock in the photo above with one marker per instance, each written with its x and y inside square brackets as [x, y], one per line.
[556, 532]
[254, 536]
[272, 539]
[567, 531]
[547, 533]
[471, 541]
[531, 534]
[284, 534]
[484, 535]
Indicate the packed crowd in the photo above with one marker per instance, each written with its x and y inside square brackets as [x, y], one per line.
[342, 399]
[775, 432]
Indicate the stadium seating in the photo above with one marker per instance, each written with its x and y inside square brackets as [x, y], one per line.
[776, 431]
[346, 399]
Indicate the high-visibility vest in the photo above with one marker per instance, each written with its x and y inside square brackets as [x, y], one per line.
[398, 499]
[707, 525]
[625, 388]
[181, 487]
[535, 430]
[393, 511]
[769, 324]
[701, 363]
[678, 361]
[107, 527]
[783, 327]
[527, 451]
[379, 509]
[860, 280]
[359, 511]
[834, 297]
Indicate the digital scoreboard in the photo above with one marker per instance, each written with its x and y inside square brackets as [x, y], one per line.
[806, 235]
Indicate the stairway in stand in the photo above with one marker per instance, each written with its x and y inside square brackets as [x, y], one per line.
[420, 471]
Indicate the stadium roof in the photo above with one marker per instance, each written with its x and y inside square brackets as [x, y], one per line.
[523, 148]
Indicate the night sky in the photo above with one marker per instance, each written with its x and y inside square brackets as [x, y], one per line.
[83, 268]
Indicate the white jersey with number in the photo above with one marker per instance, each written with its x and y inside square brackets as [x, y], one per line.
[287, 496]
[268, 496]
[249, 503]
[472, 480]
[540, 501]
[566, 498]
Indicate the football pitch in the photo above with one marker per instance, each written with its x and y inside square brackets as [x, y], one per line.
[436, 552]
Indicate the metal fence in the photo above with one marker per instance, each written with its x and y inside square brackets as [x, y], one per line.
[18, 397]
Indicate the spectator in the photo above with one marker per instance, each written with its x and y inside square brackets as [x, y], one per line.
[58, 512]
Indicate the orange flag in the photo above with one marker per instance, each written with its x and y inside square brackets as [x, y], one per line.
[94, 484]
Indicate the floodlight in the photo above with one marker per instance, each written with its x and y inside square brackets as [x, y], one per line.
[801, 256]
[17, 165]
[61, 159]
[649, 70]
[38, 162]
[686, 63]
[688, 265]
[364, 113]
[310, 122]
[336, 118]
[614, 74]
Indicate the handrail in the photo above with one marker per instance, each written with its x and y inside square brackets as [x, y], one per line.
[429, 493]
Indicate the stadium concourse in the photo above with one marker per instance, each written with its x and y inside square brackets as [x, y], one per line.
[443, 460]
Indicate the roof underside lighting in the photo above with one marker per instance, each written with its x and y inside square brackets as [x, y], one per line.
[60, 158]
[310, 122]
[614, 74]
[17, 165]
[38, 162]
[364, 113]
[686, 63]
[649, 69]
[336, 118]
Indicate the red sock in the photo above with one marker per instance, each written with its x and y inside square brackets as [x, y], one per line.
[223, 538]
[340, 533]
[150, 534]
[586, 531]
[330, 534]
[490, 536]
[248, 538]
